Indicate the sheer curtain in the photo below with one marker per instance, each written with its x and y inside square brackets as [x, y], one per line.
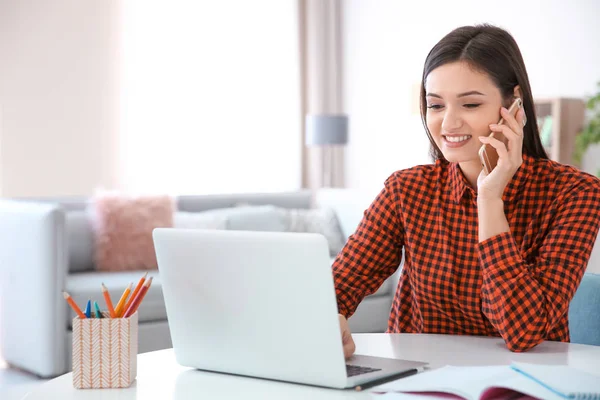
[210, 96]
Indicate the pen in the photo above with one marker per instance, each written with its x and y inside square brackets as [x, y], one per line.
[122, 300]
[390, 378]
[108, 301]
[88, 309]
[73, 305]
[98, 312]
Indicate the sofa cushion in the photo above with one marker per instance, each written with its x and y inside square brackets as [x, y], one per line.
[80, 241]
[242, 218]
[264, 218]
[123, 228]
[199, 220]
[317, 220]
[88, 286]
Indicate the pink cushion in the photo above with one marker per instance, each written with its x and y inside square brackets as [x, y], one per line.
[123, 230]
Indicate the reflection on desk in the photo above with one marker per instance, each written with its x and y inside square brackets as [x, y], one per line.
[201, 383]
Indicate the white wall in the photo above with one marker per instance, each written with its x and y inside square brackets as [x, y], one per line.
[57, 96]
[385, 45]
[58, 63]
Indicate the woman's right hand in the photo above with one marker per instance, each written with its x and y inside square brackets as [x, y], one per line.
[347, 341]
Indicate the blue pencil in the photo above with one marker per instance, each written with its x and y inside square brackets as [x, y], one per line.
[98, 312]
[88, 309]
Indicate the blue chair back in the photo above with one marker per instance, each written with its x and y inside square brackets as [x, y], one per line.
[584, 311]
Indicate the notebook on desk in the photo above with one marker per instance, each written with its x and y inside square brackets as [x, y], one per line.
[493, 382]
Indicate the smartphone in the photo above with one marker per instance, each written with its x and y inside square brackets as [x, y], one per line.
[487, 153]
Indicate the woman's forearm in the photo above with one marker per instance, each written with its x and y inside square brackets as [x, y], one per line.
[492, 220]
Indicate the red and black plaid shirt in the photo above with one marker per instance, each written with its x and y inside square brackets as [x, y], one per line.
[516, 285]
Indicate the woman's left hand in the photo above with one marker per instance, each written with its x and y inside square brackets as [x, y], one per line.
[510, 159]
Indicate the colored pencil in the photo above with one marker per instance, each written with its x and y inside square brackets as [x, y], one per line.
[108, 301]
[73, 305]
[88, 309]
[122, 300]
[138, 299]
[135, 292]
[97, 308]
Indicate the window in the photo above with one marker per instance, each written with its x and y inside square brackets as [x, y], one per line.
[210, 97]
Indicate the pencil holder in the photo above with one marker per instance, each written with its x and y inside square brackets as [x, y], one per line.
[105, 352]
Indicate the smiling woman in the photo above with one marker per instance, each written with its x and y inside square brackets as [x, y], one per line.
[456, 119]
[498, 254]
[464, 89]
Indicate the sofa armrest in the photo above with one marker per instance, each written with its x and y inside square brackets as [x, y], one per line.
[33, 268]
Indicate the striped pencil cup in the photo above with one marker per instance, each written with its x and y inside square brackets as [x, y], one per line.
[105, 352]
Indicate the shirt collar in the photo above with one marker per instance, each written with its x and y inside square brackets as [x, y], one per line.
[459, 184]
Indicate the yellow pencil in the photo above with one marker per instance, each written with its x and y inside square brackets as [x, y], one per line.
[121, 303]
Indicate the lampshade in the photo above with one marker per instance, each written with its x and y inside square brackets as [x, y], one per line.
[324, 130]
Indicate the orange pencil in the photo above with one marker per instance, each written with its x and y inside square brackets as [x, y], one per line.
[121, 303]
[74, 305]
[138, 299]
[135, 292]
[108, 301]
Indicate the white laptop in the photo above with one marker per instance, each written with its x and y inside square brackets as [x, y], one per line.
[260, 304]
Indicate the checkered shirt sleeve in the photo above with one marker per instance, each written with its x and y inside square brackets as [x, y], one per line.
[524, 299]
[371, 255]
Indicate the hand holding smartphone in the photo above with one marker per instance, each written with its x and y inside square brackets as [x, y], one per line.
[487, 153]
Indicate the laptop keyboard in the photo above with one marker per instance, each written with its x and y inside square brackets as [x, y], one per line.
[353, 370]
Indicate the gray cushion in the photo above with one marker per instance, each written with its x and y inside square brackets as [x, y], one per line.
[88, 285]
[80, 241]
[318, 220]
[256, 218]
[244, 217]
[199, 220]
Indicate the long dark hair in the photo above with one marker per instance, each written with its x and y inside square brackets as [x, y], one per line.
[494, 51]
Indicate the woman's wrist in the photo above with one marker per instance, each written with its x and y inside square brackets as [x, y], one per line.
[489, 202]
[492, 220]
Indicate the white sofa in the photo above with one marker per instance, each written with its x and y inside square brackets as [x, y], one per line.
[46, 247]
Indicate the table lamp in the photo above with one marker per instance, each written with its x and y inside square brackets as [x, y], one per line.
[327, 131]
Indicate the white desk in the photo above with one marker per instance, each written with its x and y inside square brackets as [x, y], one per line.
[159, 377]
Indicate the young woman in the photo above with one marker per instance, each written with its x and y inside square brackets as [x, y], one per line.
[496, 255]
